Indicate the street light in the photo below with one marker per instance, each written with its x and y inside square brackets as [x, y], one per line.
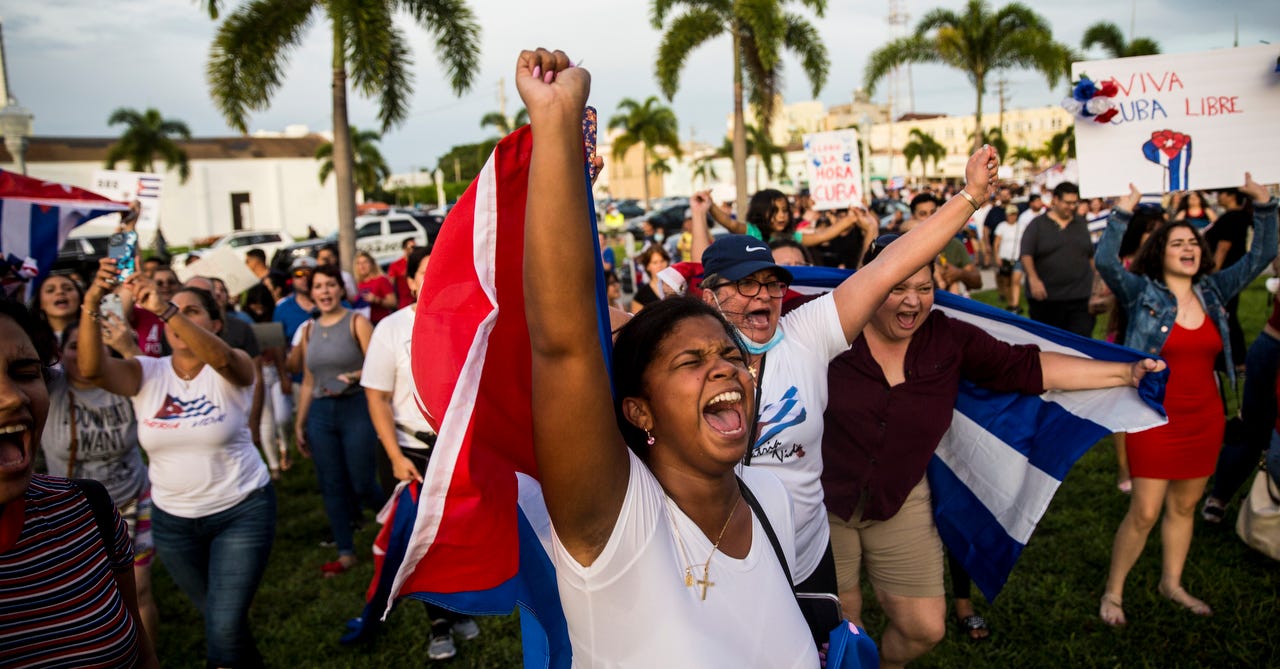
[15, 125]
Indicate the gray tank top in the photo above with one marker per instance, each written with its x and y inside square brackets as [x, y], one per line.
[331, 351]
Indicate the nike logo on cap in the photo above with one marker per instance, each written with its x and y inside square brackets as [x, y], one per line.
[757, 248]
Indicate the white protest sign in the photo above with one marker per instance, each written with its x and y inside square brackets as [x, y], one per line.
[834, 169]
[143, 187]
[1184, 122]
[223, 263]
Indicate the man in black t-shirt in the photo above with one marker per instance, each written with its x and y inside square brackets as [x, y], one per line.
[1227, 239]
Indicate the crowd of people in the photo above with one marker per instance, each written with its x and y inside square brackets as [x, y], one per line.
[148, 419]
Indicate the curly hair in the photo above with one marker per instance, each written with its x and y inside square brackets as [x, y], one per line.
[1149, 261]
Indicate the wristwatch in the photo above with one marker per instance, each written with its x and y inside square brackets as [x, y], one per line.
[168, 312]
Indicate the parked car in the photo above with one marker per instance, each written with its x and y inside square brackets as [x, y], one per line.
[669, 219]
[383, 235]
[241, 241]
[283, 259]
[431, 221]
[81, 254]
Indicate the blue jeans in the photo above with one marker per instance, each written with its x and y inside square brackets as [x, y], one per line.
[343, 443]
[218, 562]
[1237, 461]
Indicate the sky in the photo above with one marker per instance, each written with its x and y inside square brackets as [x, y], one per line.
[72, 62]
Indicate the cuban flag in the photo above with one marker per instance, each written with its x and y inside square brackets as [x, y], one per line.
[998, 467]
[36, 216]
[475, 537]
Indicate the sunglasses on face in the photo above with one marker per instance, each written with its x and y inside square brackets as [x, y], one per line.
[302, 272]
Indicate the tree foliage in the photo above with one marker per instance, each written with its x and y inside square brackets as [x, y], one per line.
[923, 147]
[369, 167]
[650, 124]
[251, 50]
[978, 42]
[148, 135]
[1108, 37]
[761, 31]
[503, 124]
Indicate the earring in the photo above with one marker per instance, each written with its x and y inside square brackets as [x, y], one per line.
[648, 438]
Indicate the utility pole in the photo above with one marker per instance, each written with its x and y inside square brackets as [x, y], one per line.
[897, 20]
[1000, 88]
[502, 98]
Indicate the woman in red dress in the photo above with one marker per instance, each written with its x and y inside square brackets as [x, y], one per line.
[1175, 307]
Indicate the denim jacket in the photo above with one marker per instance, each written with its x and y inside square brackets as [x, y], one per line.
[1152, 307]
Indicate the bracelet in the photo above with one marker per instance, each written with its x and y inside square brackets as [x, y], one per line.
[93, 314]
[972, 202]
[168, 312]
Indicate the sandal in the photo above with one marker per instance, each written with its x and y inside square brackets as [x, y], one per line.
[1184, 599]
[975, 627]
[1116, 619]
[1125, 486]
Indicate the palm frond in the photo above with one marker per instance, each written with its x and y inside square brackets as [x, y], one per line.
[249, 53]
[882, 61]
[456, 34]
[802, 38]
[686, 33]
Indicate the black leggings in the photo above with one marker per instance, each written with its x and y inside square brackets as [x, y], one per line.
[961, 584]
[823, 578]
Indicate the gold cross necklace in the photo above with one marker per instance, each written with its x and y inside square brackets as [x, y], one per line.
[689, 580]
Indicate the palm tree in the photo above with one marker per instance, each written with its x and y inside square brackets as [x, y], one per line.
[926, 148]
[503, 124]
[147, 135]
[995, 138]
[1023, 154]
[760, 30]
[651, 124]
[1061, 146]
[1112, 41]
[252, 46]
[978, 42]
[369, 169]
[704, 167]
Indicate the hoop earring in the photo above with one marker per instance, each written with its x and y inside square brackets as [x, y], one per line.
[648, 438]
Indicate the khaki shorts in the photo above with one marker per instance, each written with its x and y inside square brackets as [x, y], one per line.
[903, 555]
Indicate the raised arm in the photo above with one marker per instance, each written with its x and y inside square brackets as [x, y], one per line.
[700, 205]
[737, 227]
[861, 294]
[231, 364]
[122, 377]
[581, 455]
[1125, 284]
[838, 226]
[1262, 250]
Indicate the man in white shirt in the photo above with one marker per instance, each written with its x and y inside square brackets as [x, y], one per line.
[1035, 207]
[406, 436]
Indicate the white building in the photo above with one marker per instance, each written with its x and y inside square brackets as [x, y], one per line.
[237, 183]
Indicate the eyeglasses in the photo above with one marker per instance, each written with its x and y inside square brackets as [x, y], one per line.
[751, 287]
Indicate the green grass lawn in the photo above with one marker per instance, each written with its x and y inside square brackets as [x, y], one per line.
[1045, 617]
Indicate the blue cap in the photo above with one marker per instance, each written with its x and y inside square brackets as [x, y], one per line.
[736, 257]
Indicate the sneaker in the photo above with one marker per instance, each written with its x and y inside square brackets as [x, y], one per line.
[466, 629]
[1213, 511]
[441, 647]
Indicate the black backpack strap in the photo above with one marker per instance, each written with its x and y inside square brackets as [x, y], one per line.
[104, 511]
[754, 503]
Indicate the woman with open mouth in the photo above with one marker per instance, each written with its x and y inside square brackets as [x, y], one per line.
[892, 399]
[332, 425]
[213, 507]
[1176, 308]
[64, 549]
[652, 530]
[57, 301]
[789, 355]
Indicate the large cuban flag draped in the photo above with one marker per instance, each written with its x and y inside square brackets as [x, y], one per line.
[36, 216]
[999, 465]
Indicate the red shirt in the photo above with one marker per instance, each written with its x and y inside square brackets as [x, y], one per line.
[150, 331]
[878, 439]
[379, 287]
[398, 273]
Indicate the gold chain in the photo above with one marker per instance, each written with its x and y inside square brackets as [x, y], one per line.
[706, 566]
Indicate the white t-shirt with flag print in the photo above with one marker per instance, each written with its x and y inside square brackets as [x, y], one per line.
[792, 401]
[794, 397]
[197, 439]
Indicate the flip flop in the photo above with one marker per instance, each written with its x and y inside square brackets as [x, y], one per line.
[974, 627]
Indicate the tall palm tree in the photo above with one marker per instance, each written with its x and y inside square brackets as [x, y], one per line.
[977, 42]
[252, 46]
[369, 169]
[923, 146]
[1023, 154]
[704, 167]
[760, 30]
[1107, 36]
[147, 135]
[995, 138]
[503, 124]
[650, 124]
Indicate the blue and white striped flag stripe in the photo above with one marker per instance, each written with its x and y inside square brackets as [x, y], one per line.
[36, 228]
[996, 470]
